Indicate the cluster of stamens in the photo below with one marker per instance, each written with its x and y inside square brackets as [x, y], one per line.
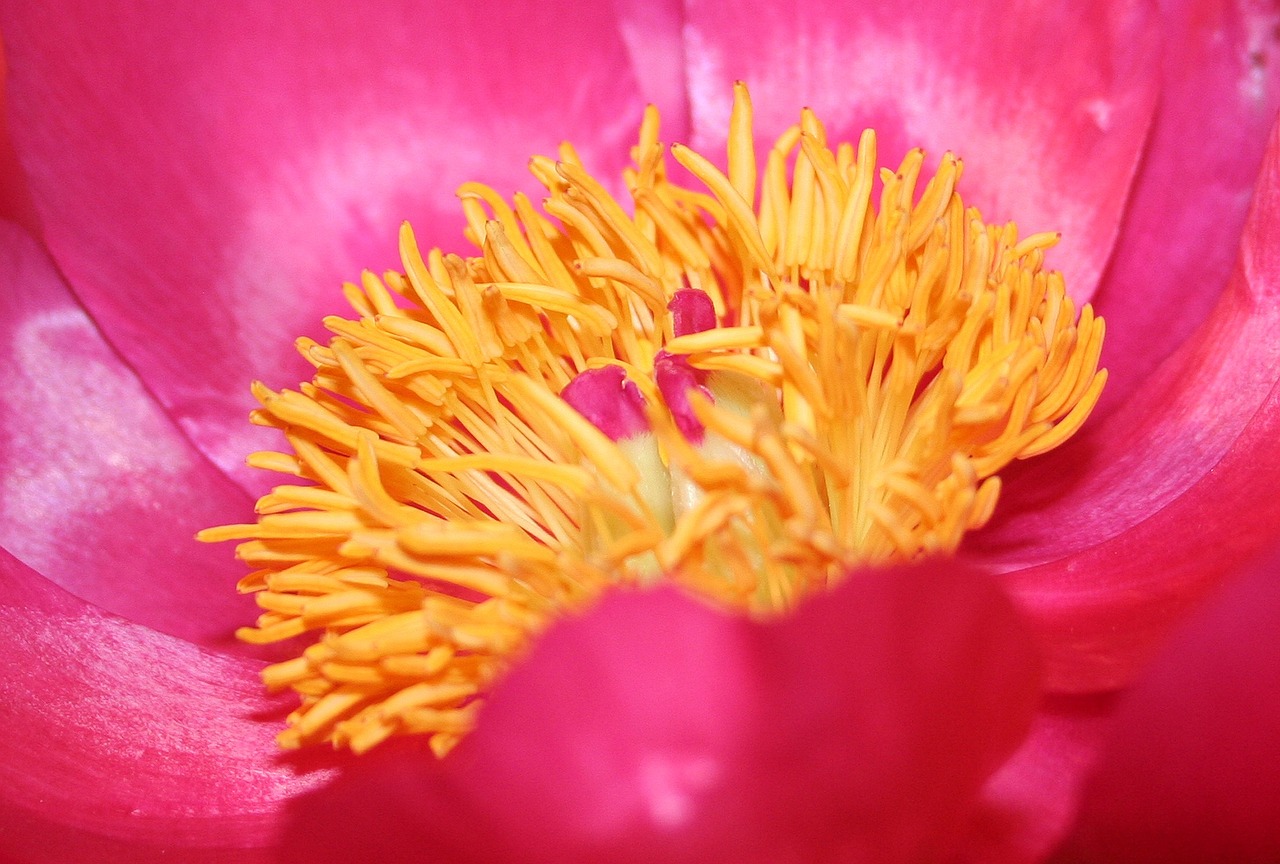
[746, 395]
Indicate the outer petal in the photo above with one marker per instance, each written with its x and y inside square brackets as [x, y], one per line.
[1191, 770]
[119, 744]
[1221, 88]
[1169, 493]
[209, 173]
[1027, 805]
[100, 492]
[1048, 102]
[657, 730]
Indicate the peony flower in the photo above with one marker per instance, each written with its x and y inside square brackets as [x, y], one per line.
[196, 176]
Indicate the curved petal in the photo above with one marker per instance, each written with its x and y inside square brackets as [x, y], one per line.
[1167, 494]
[209, 173]
[657, 730]
[1191, 769]
[98, 490]
[1049, 105]
[1178, 243]
[124, 746]
[1027, 806]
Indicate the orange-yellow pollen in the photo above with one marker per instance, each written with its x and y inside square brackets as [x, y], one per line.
[878, 354]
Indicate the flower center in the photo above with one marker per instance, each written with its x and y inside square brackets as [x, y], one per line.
[746, 398]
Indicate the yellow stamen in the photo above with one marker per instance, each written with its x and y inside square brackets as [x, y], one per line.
[872, 369]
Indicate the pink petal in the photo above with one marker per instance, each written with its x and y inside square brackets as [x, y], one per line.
[1191, 770]
[653, 31]
[101, 493]
[208, 174]
[1221, 89]
[657, 730]
[15, 198]
[1145, 512]
[1048, 104]
[119, 744]
[1027, 805]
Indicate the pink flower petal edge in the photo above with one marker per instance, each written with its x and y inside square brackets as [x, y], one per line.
[121, 744]
[654, 729]
[1190, 771]
[208, 183]
[99, 491]
[1179, 494]
[1179, 238]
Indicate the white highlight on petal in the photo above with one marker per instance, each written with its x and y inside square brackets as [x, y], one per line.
[89, 435]
[671, 786]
